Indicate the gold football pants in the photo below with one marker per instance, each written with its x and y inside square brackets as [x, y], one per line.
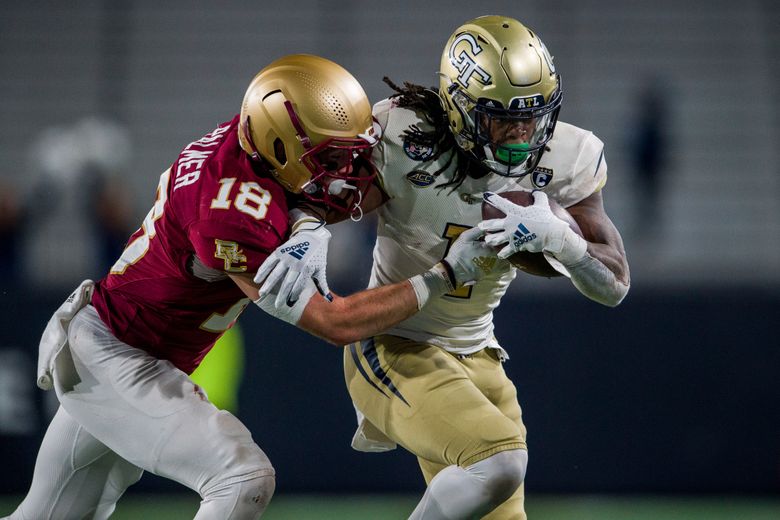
[445, 409]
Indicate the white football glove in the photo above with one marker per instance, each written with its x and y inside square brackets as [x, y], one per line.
[286, 310]
[533, 228]
[302, 258]
[470, 258]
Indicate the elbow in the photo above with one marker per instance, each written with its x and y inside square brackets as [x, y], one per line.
[341, 332]
[339, 338]
[609, 296]
[329, 331]
[617, 296]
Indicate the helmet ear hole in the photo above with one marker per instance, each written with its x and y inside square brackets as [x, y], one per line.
[279, 152]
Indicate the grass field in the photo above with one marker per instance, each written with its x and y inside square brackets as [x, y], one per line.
[339, 507]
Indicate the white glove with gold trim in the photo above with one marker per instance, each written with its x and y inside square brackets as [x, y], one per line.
[468, 261]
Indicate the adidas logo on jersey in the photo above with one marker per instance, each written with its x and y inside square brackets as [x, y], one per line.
[296, 251]
[522, 235]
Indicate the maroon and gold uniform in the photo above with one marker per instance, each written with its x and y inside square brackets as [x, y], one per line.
[119, 352]
[217, 212]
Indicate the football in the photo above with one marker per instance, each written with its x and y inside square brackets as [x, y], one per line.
[531, 263]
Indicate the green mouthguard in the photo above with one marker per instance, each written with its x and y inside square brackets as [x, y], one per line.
[512, 154]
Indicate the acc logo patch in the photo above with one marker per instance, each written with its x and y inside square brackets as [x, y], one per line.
[417, 152]
[541, 177]
[420, 178]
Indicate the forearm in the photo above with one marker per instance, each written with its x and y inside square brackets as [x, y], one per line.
[367, 313]
[360, 315]
[372, 311]
[602, 274]
[594, 278]
[613, 258]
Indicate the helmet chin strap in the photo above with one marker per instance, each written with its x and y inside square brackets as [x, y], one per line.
[337, 186]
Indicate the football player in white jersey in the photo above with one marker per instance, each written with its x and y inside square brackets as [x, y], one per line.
[434, 383]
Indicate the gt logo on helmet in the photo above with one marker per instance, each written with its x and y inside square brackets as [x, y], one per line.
[465, 63]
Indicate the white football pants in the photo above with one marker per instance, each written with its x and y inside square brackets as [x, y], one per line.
[122, 412]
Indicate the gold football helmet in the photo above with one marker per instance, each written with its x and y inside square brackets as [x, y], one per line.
[311, 121]
[501, 93]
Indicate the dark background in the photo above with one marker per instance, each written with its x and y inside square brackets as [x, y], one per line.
[670, 392]
[676, 390]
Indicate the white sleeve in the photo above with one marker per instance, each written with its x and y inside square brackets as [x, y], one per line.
[590, 170]
[381, 113]
[578, 159]
[592, 278]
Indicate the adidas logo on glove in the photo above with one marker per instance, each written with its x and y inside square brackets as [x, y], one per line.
[523, 235]
[297, 250]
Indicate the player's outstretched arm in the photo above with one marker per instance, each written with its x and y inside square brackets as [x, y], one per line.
[367, 313]
[360, 315]
[339, 320]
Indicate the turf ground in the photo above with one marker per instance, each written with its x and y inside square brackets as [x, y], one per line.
[306, 507]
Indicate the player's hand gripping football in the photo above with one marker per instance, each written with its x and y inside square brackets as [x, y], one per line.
[533, 228]
[304, 256]
[470, 258]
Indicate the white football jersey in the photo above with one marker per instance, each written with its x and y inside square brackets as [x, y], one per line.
[419, 221]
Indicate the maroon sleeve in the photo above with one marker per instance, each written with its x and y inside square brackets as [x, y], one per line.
[233, 247]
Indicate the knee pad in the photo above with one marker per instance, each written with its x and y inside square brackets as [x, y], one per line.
[240, 472]
[502, 473]
[241, 500]
[253, 496]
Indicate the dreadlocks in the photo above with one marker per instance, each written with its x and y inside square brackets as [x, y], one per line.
[425, 101]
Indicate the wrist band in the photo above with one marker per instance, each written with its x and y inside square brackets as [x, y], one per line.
[432, 283]
[573, 249]
[302, 221]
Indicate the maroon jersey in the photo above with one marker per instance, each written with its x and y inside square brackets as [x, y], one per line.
[216, 213]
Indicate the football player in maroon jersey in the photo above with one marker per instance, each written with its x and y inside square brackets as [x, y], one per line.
[118, 352]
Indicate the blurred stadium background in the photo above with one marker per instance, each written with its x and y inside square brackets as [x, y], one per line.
[664, 408]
